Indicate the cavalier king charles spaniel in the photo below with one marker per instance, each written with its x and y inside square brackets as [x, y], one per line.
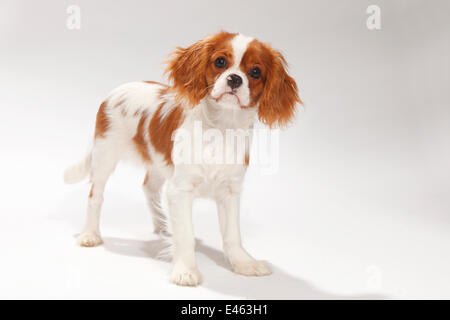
[220, 84]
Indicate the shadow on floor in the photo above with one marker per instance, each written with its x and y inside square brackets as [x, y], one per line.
[279, 285]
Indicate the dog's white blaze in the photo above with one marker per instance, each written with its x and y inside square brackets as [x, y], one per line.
[239, 45]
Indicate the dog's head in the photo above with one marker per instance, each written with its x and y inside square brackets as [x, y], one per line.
[235, 71]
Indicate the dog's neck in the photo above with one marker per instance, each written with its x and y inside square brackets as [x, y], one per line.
[221, 116]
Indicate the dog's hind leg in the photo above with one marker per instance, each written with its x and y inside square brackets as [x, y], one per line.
[152, 186]
[103, 161]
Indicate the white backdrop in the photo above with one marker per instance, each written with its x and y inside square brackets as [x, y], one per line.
[358, 208]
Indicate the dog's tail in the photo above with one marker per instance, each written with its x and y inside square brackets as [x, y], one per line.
[78, 171]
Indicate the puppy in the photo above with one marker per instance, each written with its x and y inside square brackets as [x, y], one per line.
[219, 84]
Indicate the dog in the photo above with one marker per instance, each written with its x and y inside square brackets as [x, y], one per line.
[223, 82]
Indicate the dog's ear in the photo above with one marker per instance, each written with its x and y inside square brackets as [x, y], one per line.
[187, 68]
[280, 95]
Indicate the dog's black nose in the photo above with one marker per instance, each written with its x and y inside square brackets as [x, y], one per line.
[234, 81]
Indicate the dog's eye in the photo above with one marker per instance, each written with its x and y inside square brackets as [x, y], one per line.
[220, 62]
[255, 72]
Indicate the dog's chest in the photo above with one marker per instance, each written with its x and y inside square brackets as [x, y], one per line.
[211, 160]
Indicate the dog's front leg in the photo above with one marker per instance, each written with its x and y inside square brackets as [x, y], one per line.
[241, 262]
[185, 272]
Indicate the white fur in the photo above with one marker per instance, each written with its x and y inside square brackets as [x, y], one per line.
[78, 171]
[184, 182]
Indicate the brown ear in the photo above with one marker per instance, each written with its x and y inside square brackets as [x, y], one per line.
[187, 70]
[278, 101]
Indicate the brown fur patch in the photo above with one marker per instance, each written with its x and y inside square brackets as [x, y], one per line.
[255, 56]
[145, 179]
[161, 130]
[221, 49]
[246, 159]
[119, 103]
[278, 100]
[102, 121]
[91, 192]
[139, 141]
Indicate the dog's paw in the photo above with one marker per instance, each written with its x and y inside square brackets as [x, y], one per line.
[89, 239]
[186, 277]
[251, 268]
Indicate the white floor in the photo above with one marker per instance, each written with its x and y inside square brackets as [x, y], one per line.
[317, 251]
